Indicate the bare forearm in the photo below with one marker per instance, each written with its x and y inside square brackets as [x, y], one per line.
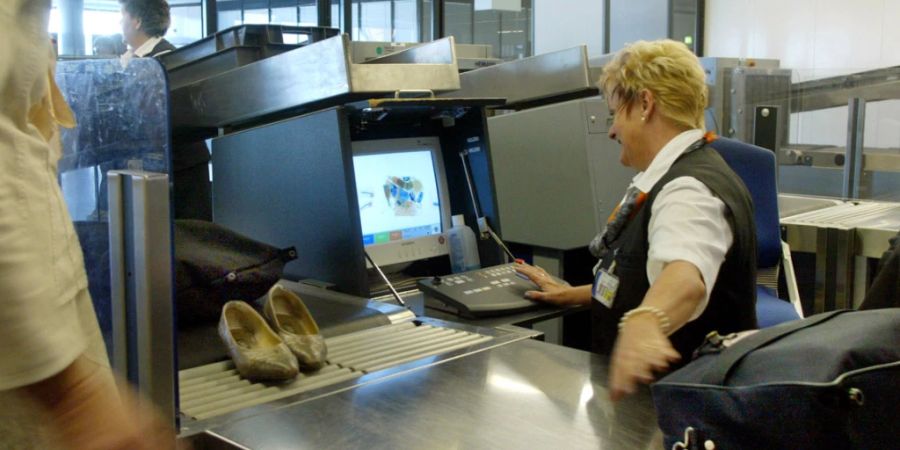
[677, 291]
[581, 295]
[87, 411]
[75, 380]
[642, 349]
[551, 291]
[563, 296]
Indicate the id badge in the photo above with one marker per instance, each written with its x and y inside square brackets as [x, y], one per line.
[605, 286]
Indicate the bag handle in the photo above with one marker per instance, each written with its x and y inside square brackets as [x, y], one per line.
[728, 359]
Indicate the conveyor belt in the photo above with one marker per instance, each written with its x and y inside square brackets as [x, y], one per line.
[850, 215]
[215, 389]
[838, 236]
[872, 224]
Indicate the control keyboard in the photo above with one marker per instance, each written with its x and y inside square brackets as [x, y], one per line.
[488, 291]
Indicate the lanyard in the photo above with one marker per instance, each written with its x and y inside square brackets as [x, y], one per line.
[634, 200]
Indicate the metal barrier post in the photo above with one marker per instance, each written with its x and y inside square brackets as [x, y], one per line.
[140, 251]
[853, 162]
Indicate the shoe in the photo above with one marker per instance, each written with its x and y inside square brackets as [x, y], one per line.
[257, 352]
[293, 322]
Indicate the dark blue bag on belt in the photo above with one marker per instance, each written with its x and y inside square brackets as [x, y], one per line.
[830, 381]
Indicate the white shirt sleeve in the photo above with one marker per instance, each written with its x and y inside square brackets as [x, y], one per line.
[687, 223]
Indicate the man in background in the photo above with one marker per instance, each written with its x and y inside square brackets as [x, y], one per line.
[144, 23]
[109, 46]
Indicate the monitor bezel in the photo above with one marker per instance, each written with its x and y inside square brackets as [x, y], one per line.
[392, 254]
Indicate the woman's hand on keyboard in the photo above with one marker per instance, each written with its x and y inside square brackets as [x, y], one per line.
[552, 291]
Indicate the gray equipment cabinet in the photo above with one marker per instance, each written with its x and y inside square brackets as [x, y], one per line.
[557, 173]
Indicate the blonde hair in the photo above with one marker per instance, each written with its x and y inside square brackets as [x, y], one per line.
[667, 69]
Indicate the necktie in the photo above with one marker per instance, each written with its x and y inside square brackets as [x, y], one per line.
[620, 216]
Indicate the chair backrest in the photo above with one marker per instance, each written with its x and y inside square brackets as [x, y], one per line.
[756, 167]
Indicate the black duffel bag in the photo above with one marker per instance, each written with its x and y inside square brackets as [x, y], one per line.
[214, 264]
[830, 381]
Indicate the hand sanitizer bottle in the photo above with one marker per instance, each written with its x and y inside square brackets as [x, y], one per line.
[463, 246]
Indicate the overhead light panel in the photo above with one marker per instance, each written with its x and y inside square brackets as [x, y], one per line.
[498, 5]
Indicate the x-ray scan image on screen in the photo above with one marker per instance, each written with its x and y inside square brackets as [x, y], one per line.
[400, 186]
[398, 196]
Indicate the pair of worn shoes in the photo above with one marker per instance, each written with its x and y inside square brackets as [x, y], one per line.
[261, 353]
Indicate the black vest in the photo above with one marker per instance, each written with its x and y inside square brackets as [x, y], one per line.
[732, 303]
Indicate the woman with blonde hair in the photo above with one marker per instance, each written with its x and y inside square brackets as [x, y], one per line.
[677, 258]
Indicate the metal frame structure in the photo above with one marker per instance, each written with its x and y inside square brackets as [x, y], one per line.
[308, 78]
[438, 29]
[211, 8]
[843, 232]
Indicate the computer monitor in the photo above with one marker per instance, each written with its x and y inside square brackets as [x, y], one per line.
[404, 207]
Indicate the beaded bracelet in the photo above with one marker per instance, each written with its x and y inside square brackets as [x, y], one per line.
[664, 323]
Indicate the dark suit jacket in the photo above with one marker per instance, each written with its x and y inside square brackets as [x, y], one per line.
[161, 46]
[184, 155]
[190, 169]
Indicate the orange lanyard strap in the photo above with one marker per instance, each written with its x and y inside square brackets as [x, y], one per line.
[615, 224]
[638, 202]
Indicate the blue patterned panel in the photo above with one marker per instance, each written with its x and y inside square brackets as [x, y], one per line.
[123, 123]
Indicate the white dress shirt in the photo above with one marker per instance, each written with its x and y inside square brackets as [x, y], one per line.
[147, 47]
[687, 222]
[142, 50]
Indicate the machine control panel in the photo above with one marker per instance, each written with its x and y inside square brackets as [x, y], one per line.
[482, 292]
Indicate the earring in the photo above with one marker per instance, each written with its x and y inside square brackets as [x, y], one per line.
[643, 118]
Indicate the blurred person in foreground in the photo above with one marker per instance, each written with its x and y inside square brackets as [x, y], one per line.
[56, 387]
[677, 258]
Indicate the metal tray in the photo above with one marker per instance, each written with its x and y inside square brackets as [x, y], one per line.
[223, 61]
[316, 76]
[243, 36]
[540, 79]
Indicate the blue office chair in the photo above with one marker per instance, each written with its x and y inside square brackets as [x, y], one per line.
[756, 167]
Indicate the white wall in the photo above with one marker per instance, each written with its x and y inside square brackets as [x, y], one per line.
[816, 39]
[562, 24]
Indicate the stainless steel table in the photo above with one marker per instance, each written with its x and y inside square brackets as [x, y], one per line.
[525, 394]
